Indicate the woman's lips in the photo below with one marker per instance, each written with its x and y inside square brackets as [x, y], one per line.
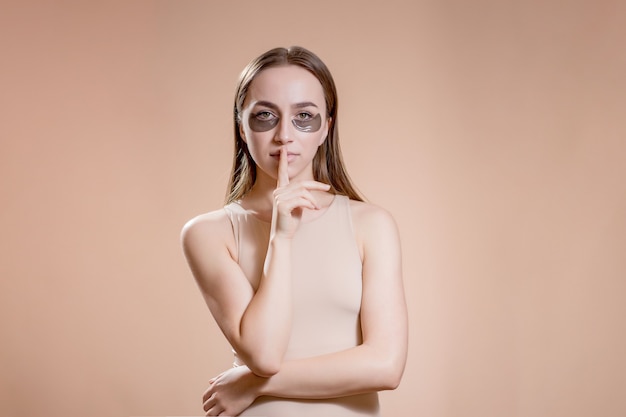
[290, 156]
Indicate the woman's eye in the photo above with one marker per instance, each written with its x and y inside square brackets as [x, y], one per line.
[304, 116]
[264, 115]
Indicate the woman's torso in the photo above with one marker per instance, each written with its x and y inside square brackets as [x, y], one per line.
[327, 284]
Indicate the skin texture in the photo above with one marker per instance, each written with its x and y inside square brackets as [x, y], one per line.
[256, 317]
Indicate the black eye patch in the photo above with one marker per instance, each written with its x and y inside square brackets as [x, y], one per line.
[262, 121]
[312, 124]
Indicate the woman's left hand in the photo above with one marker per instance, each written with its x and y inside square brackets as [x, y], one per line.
[231, 392]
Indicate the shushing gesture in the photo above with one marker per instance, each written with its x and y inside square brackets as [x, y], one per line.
[291, 199]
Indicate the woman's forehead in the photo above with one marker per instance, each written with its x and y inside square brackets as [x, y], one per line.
[287, 84]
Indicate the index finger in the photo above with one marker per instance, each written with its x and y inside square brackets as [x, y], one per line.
[283, 168]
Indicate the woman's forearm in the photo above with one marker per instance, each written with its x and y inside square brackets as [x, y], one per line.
[266, 324]
[353, 371]
[358, 370]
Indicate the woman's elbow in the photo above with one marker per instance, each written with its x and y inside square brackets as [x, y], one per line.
[388, 380]
[391, 374]
[391, 380]
[264, 368]
[263, 361]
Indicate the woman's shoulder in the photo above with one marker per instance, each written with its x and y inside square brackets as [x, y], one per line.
[363, 211]
[370, 218]
[210, 227]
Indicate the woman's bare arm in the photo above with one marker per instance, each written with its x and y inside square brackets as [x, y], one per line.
[247, 319]
[257, 324]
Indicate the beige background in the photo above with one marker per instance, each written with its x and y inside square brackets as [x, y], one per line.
[494, 131]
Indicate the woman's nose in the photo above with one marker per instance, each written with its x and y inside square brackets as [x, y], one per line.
[284, 133]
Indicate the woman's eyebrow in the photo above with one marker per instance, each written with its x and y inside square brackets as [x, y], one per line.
[304, 104]
[266, 104]
[295, 106]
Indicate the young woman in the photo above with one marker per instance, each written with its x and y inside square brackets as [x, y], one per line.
[303, 277]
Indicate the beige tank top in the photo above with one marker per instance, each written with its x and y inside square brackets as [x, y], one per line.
[327, 286]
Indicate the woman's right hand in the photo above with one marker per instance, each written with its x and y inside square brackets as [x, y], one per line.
[291, 199]
[231, 392]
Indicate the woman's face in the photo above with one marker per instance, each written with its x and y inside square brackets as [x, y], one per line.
[284, 107]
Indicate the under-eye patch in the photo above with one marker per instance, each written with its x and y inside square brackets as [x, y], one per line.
[262, 121]
[310, 124]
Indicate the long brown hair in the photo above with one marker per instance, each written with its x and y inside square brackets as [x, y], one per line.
[327, 163]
